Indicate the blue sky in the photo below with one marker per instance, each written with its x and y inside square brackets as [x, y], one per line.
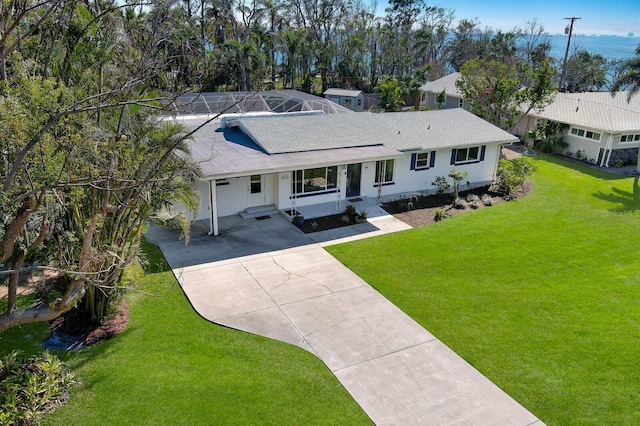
[598, 16]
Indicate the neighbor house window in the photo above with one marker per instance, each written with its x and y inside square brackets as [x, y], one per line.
[315, 180]
[422, 160]
[584, 133]
[256, 184]
[629, 138]
[472, 154]
[460, 103]
[384, 171]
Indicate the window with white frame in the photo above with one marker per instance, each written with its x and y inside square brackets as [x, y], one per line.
[315, 180]
[384, 171]
[629, 138]
[584, 133]
[422, 160]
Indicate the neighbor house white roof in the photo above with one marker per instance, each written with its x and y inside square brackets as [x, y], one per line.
[594, 110]
[446, 83]
[343, 92]
[280, 142]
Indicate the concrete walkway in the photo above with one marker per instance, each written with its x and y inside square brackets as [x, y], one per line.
[268, 278]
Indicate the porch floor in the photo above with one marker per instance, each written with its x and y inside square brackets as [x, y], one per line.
[370, 205]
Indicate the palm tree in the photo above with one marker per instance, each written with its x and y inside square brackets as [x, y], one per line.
[630, 78]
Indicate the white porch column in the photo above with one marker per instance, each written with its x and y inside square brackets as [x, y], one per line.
[606, 152]
[213, 208]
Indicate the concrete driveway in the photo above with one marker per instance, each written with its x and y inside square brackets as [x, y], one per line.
[268, 278]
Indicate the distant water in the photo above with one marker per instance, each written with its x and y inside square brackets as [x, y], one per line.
[611, 47]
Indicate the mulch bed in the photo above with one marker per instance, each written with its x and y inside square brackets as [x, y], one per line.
[63, 338]
[323, 223]
[423, 208]
[421, 212]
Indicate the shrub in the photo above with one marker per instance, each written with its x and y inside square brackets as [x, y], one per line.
[511, 175]
[350, 210]
[472, 197]
[618, 163]
[31, 387]
[487, 200]
[345, 218]
[474, 204]
[442, 184]
[459, 203]
[314, 225]
[440, 214]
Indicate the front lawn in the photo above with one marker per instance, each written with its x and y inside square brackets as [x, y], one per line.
[171, 367]
[541, 294]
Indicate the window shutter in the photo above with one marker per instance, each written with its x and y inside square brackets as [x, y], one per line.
[482, 149]
[453, 156]
[412, 166]
[432, 159]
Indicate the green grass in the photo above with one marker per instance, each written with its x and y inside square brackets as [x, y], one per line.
[171, 366]
[541, 294]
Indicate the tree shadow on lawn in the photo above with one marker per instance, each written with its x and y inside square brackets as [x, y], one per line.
[601, 173]
[628, 201]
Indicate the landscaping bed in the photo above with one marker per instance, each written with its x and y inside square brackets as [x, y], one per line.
[421, 210]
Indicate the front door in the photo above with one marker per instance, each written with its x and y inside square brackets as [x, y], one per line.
[353, 180]
[256, 196]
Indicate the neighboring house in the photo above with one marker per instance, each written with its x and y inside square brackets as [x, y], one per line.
[352, 99]
[294, 160]
[452, 99]
[600, 128]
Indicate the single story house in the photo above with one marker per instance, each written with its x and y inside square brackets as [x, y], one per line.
[308, 158]
[352, 99]
[600, 127]
[452, 97]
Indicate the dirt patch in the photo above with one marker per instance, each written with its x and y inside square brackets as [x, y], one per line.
[63, 338]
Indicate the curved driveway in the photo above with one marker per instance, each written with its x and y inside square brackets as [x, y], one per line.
[267, 277]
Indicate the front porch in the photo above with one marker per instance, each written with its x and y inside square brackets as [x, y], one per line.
[370, 205]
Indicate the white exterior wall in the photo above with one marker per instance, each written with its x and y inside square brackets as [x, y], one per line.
[203, 189]
[235, 196]
[624, 145]
[589, 147]
[407, 181]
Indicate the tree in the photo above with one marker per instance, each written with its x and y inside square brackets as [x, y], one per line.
[547, 136]
[630, 78]
[585, 72]
[502, 92]
[392, 94]
[83, 163]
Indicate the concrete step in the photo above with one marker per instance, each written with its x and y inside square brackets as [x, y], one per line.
[257, 211]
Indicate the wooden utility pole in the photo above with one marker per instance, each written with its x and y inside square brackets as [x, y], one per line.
[569, 30]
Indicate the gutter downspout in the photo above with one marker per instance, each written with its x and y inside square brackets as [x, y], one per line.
[213, 209]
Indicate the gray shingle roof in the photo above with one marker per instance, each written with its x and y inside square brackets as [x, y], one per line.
[403, 131]
[446, 83]
[224, 153]
[595, 110]
[343, 92]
